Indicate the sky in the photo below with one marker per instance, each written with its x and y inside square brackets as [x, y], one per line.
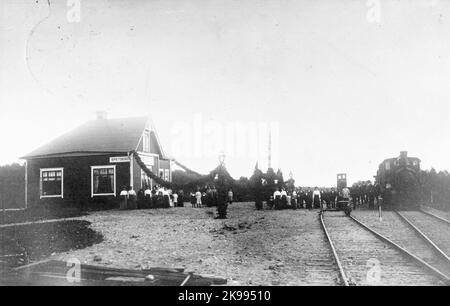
[342, 84]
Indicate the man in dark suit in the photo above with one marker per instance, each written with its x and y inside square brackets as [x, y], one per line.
[354, 191]
[332, 198]
[300, 198]
[371, 195]
[308, 198]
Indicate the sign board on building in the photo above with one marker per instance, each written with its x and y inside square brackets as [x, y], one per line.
[119, 159]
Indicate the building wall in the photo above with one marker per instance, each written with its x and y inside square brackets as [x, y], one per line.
[154, 148]
[136, 175]
[164, 164]
[158, 164]
[76, 180]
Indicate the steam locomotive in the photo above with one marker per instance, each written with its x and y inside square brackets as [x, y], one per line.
[398, 179]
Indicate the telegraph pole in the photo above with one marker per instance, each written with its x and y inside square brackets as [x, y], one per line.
[269, 165]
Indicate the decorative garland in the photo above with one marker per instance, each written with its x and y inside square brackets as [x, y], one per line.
[185, 168]
[147, 171]
[202, 180]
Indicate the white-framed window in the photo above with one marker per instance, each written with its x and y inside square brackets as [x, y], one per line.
[161, 173]
[388, 165]
[166, 175]
[51, 183]
[103, 180]
[146, 141]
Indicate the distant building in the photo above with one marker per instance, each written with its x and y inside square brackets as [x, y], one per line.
[91, 165]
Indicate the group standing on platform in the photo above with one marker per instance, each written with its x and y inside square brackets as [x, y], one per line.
[207, 196]
[313, 198]
[361, 193]
[162, 197]
[155, 197]
[365, 193]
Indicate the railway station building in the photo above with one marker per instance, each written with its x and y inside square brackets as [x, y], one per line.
[90, 165]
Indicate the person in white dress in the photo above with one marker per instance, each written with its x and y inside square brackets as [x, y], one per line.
[175, 199]
[198, 197]
[316, 197]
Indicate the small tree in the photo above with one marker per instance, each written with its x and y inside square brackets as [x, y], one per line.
[270, 186]
[280, 179]
[257, 186]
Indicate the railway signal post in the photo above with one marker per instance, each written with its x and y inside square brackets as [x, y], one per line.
[380, 216]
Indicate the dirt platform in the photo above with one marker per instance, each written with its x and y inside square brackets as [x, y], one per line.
[251, 247]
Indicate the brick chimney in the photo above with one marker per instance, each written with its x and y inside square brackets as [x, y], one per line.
[102, 115]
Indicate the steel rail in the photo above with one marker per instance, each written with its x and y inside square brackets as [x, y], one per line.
[29, 265]
[435, 216]
[418, 260]
[336, 257]
[424, 237]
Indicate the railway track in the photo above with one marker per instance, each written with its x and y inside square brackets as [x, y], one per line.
[436, 233]
[342, 275]
[441, 219]
[399, 229]
[365, 257]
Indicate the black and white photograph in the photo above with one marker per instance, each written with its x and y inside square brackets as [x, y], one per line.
[240, 145]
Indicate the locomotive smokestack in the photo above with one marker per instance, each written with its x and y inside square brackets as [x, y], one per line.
[403, 154]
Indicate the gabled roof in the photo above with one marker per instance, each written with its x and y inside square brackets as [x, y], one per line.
[101, 135]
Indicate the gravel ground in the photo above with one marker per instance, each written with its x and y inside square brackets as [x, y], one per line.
[251, 247]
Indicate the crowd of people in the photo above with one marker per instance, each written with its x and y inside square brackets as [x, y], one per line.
[365, 193]
[359, 194]
[299, 197]
[303, 198]
[306, 197]
[162, 197]
[204, 196]
[210, 196]
[155, 197]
